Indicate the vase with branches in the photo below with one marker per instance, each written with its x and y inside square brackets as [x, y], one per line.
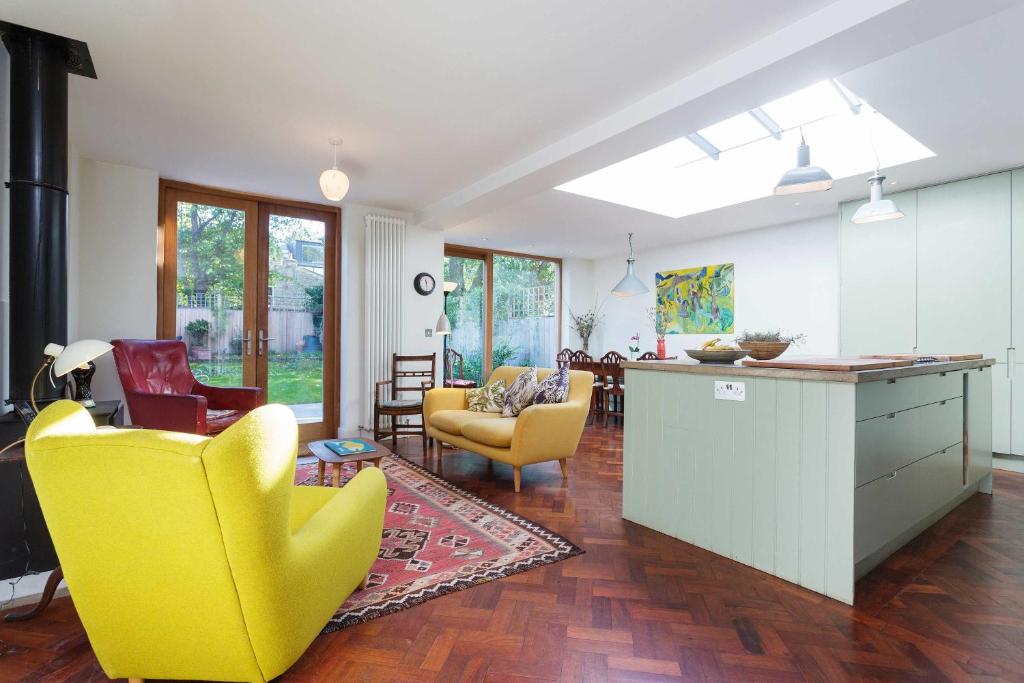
[584, 324]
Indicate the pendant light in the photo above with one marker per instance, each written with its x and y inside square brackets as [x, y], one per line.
[334, 182]
[877, 209]
[804, 178]
[630, 285]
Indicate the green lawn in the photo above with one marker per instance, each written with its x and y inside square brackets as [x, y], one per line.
[294, 377]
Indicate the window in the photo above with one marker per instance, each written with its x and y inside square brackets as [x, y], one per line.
[505, 309]
[741, 158]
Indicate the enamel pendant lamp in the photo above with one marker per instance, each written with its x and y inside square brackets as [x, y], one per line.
[804, 178]
[630, 285]
[334, 182]
[877, 209]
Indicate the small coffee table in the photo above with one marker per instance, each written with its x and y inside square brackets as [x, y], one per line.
[326, 456]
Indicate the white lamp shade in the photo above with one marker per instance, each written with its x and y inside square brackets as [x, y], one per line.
[450, 286]
[334, 184]
[630, 285]
[443, 326]
[876, 209]
[873, 212]
[803, 177]
[79, 353]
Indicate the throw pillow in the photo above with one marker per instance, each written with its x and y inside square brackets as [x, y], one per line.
[489, 398]
[554, 388]
[520, 394]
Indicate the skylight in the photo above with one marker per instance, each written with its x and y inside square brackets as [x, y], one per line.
[741, 158]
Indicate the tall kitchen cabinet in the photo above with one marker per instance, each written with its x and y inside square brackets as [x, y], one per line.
[944, 279]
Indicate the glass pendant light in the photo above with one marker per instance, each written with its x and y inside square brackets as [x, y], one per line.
[630, 285]
[877, 209]
[333, 182]
[804, 178]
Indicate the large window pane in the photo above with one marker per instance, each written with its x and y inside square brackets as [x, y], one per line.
[465, 307]
[209, 290]
[525, 302]
[295, 316]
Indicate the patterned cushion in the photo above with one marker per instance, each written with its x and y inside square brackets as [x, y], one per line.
[489, 398]
[520, 395]
[554, 388]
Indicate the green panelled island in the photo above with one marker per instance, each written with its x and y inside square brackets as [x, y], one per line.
[813, 476]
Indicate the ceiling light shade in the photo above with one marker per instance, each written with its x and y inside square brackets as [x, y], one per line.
[803, 178]
[630, 285]
[444, 326]
[79, 353]
[333, 182]
[877, 209]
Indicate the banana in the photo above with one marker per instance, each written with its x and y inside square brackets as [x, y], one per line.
[711, 343]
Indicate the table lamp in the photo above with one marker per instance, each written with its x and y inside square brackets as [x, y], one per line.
[63, 359]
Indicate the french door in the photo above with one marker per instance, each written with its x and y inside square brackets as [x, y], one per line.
[250, 286]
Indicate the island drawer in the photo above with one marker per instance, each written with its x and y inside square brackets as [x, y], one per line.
[893, 395]
[889, 506]
[887, 443]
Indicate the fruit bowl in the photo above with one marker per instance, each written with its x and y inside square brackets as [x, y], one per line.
[764, 350]
[716, 356]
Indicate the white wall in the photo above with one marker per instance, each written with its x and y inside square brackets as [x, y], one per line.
[114, 260]
[578, 295]
[786, 277]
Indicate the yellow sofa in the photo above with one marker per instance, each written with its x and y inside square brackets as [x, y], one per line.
[539, 434]
[191, 557]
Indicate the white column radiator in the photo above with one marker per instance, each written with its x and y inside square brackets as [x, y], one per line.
[385, 261]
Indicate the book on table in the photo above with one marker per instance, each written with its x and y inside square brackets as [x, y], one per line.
[350, 446]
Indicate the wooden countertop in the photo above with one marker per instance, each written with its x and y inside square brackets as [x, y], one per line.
[733, 370]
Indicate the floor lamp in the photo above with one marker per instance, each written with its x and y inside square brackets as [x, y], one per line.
[444, 328]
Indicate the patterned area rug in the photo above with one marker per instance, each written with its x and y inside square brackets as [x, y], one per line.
[438, 539]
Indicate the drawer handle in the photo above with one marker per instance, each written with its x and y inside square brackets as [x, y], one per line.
[942, 374]
[942, 403]
[891, 475]
[890, 416]
[891, 380]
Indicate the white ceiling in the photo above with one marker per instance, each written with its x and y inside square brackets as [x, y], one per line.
[467, 113]
[956, 94]
[428, 96]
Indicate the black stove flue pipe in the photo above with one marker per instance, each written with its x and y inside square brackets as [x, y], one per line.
[40, 63]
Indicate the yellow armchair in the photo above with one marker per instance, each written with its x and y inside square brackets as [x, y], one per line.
[540, 433]
[191, 557]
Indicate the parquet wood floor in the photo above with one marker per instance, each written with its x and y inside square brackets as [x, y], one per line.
[640, 606]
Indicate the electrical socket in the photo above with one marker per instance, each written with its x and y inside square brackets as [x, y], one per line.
[427, 332]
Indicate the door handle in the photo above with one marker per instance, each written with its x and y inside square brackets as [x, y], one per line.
[262, 342]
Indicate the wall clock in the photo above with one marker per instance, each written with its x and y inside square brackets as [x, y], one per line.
[424, 283]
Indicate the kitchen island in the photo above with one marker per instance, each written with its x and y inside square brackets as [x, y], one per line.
[813, 476]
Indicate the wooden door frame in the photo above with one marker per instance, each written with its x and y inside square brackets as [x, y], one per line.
[487, 255]
[172, 191]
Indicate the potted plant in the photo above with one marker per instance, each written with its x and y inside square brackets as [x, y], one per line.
[315, 306]
[767, 345]
[660, 328]
[198, 332]
[634, 346]
[584, 325]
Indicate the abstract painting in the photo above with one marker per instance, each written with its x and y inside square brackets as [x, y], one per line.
[697, 300]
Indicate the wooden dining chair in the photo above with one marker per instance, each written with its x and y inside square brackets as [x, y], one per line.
[648, 355]
[613, 388]
[563, 357]
[581, 360]
[614, 392]
[405, 381]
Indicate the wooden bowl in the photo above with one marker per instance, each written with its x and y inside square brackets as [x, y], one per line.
[761, 350]
[705, 356]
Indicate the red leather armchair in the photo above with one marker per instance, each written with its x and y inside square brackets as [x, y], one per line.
[162, 393]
